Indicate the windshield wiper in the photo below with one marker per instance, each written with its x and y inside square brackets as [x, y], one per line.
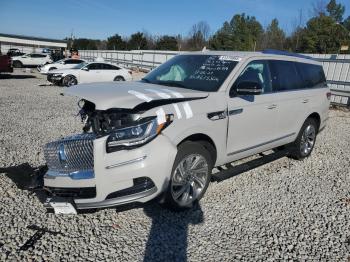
[146, 80]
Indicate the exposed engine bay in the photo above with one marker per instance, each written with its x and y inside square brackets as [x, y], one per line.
[102, 122]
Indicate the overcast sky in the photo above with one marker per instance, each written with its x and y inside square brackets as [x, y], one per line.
[103, 18]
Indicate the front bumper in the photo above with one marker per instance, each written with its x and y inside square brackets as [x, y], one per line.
[54, 79]
[121, 177]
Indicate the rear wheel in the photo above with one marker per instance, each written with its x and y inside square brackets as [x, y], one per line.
[69, 80]
[17, 64]
[119, 78]
[190, 176]
[305, 142]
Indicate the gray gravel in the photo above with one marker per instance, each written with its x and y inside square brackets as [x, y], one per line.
[284, 210]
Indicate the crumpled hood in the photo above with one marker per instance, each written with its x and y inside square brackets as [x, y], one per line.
[128, 95]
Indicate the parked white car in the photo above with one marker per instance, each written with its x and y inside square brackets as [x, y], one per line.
[31, 60]
[162, 136]
[67, 63]
[89, 73]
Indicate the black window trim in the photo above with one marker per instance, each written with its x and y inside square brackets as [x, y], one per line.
[267, 60]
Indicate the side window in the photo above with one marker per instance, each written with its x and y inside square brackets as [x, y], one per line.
[73, 61]
[68, 62]
[38, 56]
[106, 67]
[94, 66]
[312, 75]
[256, 71]
[284, 76]
[76, 61]
[114, 67]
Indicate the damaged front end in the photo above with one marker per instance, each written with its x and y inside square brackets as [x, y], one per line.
[126, 129]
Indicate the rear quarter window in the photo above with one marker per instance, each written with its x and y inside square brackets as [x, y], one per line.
[312, 75]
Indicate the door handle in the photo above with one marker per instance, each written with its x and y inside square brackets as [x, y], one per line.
[305, 101]
[273, 106]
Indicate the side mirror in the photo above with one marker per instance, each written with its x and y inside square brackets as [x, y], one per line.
[248, 88]
[85, 69]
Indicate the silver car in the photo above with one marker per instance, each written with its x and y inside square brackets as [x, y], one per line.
[162, 136]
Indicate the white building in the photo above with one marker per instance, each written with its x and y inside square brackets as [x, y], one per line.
[29, 44]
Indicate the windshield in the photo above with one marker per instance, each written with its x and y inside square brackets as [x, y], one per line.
[79, 66]
[198, 72]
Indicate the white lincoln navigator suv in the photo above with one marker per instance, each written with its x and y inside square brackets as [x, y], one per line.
[162, 136]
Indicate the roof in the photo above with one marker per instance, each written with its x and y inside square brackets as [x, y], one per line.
[268, 53]
[33, 38]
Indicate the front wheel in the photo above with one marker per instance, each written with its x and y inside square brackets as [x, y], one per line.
[69, 81]
[190, 176]
[305, 142]
[17, 64]
[119, 78]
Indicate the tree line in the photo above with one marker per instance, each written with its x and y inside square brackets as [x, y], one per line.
[326, 31]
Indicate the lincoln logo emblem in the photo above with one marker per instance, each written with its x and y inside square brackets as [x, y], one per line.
[62, 155]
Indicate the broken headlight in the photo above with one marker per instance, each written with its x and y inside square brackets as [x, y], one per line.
[137, 135]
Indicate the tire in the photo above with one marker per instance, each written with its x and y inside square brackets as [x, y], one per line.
[119, 78]
[17, 64]
[305, 142]
[187, 187]
[69, 80]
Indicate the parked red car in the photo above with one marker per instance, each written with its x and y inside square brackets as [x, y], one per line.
[5, 64]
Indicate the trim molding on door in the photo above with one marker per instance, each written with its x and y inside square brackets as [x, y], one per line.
[259, 145]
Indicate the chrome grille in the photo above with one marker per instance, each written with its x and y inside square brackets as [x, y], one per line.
[71, 154]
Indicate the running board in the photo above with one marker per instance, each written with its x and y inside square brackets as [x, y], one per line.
[227, 171]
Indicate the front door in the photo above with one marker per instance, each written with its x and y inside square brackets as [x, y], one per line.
[93, 74]
[252, 118]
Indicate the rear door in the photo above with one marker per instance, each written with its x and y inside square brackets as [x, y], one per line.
[291, 98]
[252, 118]
[109, 72]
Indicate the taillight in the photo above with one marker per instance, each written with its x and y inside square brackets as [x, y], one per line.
[329, 94]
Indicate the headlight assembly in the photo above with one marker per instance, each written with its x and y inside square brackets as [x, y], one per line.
[137, 135]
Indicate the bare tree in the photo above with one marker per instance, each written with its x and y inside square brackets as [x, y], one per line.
[297, 25]
[198, 35]
[319, 7]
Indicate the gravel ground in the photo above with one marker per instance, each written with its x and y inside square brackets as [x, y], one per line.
[283, 210]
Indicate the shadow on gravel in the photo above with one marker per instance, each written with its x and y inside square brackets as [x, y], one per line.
[232, 171]
[167, 240]
[24, 175]
[8, 76]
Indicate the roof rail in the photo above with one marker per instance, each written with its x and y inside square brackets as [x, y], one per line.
[279, 52]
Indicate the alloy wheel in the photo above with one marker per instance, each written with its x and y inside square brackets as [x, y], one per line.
[189, 179]
[307, 140]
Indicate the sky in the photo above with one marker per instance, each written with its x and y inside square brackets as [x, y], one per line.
[102, 18]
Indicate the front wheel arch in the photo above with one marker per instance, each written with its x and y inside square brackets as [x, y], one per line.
[204, 140]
